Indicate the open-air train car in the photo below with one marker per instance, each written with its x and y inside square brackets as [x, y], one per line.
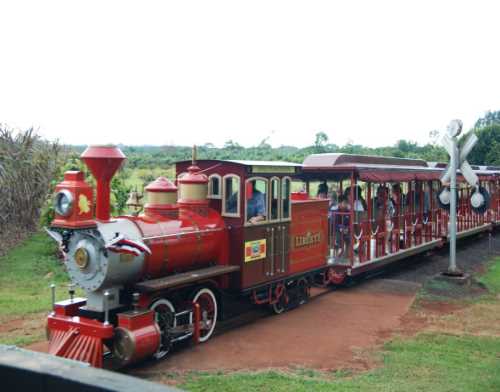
[390, 210]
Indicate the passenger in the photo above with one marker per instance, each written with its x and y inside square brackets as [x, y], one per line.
[359, 202]
[332, 208]
[323, 190]
[384, 213]
[414, 198]
[396, 194]
[334, 201]
[379, 202]
[398, 201]
[341, 224]
[256, 205]
[427, 199]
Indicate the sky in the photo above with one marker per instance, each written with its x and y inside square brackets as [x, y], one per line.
[195, 72]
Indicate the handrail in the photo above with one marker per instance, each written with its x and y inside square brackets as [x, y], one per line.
[360, 235]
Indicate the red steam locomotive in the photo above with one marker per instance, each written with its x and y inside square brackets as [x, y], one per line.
[233, 230]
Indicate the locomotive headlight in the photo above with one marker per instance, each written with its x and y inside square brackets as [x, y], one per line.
[82, 258]
[64, 203]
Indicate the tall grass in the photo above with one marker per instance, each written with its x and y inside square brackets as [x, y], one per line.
[28, 164]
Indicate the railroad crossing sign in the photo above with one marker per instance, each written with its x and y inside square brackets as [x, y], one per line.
[462, 163]
[480, 197]
[448, 197]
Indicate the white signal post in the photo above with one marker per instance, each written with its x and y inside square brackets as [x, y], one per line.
[458, 160]
[454, 130]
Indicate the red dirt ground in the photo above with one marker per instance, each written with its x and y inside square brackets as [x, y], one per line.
[11, 325]
[329, 332]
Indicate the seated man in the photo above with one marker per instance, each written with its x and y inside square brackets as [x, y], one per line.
[256, 205]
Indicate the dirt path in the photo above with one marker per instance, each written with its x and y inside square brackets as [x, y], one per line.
[327, 333]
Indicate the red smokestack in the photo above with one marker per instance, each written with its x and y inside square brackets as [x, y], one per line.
[103, 162]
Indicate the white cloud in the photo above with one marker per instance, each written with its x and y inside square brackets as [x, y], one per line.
[188, 72]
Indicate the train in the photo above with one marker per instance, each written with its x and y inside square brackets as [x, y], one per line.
[227, 232]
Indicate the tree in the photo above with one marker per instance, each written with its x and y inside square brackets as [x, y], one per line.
[486, 151]
[490, 118]
[320, 141]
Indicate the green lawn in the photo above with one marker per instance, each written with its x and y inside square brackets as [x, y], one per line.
[26, 273]
[491, 279]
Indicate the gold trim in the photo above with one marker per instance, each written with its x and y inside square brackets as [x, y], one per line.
[162, 197]
[273, 169]
[193, 192]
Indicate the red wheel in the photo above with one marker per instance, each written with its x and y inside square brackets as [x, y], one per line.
[208, 312]
[165, 318]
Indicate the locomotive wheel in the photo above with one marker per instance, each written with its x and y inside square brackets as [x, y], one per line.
[165, 318]
[208, 309]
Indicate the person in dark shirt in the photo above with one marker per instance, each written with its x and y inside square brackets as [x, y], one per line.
[341, 223]
[256, 206]
[323, 190]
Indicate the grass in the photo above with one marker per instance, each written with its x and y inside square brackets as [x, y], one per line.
[429, 362]
[26, 273]
[491, 279]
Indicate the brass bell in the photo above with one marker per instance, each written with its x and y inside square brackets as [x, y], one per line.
[134, 202]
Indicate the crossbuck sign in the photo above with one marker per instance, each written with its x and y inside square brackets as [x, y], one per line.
[479, 198]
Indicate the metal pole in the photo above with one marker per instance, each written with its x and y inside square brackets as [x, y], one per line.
[53, 291]
[106, 308]
[452, 269]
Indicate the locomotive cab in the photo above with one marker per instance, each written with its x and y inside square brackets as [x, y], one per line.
[272, 249]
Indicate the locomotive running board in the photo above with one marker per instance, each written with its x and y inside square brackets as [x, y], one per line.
[184, 278]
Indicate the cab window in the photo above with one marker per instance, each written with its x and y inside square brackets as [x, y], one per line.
[231, 193]
[274, 199]
[256, 200]
[214, 186]
[285, 198]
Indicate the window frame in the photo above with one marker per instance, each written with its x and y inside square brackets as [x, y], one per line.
[210, 194]
[282, 205]
[236, 214]
[265, 221]
[270, 181]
